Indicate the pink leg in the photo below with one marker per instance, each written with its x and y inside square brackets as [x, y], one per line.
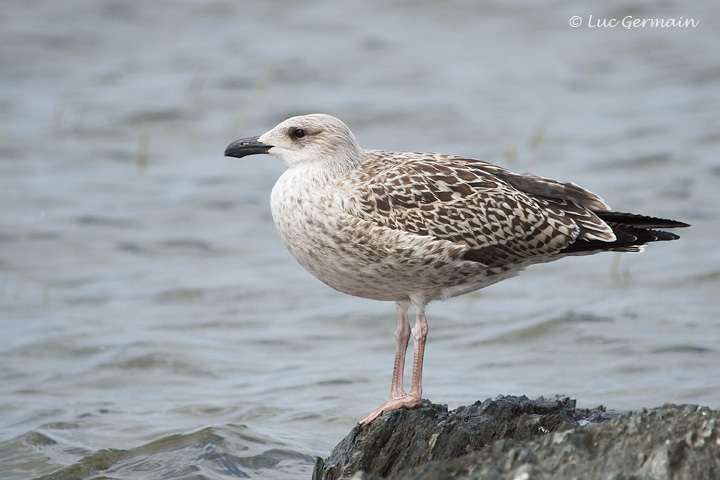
[402, 336]
[419, 333]
[398, 398]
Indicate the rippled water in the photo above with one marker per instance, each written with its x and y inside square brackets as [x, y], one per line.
[153, 325]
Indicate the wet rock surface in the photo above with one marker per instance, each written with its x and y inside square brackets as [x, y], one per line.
[518, 438]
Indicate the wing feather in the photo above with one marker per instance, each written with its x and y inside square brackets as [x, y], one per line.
[501, 217]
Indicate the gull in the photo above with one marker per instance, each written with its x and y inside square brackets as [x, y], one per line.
[417, 227]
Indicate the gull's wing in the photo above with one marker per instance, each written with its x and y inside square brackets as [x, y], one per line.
[501, 217]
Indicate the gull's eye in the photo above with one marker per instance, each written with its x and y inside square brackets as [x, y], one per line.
[298, 133]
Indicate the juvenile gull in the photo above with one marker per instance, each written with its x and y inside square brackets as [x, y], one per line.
[417, 227]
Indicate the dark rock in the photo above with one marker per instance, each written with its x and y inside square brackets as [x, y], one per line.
[518, 438]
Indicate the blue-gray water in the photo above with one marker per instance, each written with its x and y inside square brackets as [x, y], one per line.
[153, 325]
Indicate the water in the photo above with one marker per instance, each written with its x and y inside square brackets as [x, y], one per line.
[153, 325]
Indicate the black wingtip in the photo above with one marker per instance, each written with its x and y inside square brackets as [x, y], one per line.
[639, 221]
[632, 231]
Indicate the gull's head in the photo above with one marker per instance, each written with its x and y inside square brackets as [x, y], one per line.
[308, 140]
